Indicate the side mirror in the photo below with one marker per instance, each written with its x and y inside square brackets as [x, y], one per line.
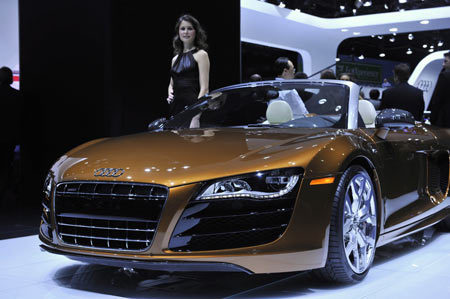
[394, 118]
[157, 125]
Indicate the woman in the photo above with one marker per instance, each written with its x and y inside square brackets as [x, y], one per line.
[190, 66]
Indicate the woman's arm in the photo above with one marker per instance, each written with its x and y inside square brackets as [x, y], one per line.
[170, 88]
[203, 66]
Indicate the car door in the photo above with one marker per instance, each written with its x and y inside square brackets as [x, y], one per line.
[404, 152]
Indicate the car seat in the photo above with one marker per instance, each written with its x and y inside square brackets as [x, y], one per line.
[367, 112]
[278, 112]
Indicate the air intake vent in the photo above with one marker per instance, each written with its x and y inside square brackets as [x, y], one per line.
[438, 173]
[215, 224]
[108, 215]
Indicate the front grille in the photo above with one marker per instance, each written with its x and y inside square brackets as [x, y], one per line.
[232, 223]
[112, 215]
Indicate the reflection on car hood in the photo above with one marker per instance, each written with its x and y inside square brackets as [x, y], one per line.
[174, 158]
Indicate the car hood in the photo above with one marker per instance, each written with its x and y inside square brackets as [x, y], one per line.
[173, 158]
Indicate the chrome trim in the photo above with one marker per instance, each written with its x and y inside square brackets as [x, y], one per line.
[109, 172]
[105, 238]
[103, 227]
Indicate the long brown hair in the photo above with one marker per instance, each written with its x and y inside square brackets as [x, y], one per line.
[200, 35]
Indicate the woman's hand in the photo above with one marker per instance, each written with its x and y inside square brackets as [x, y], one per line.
[170, 97]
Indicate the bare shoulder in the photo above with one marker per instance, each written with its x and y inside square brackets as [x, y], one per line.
[201, 55]
[174, 58]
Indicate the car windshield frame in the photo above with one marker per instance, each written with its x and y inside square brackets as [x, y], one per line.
[180, 120]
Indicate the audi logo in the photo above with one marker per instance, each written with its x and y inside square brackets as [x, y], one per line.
[425, 85]
[109, 172]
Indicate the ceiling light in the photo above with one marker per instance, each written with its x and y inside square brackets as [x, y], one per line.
[440, 43]
[402, 1]
[342, 7]
[361, 57]
[394, 29]
[382, 55]
[424, 46]
[354, 11]
[431, 50]
[431, 47]
[409, 52]
[424, 22]
[337, 59]
[380, 36]
[392, 39]
[367, 3]
[386, 6]
[410, 36]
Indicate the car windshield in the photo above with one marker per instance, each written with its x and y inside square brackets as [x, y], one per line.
[293, 104]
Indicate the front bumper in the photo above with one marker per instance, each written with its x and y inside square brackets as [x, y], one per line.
[303, 246]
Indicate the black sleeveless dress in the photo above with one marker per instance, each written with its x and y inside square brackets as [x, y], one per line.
[186, 83]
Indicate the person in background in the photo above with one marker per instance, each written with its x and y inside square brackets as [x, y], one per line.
[300, 75]
[284, 70]
[402, 95]
[10, 106]
[374, 95]
[346, 77]
[327, 74]
[190, 66]
[255, 78]
[385, 83]
[440, 100]
[305, 95]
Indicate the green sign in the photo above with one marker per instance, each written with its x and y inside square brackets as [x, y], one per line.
[362, 72]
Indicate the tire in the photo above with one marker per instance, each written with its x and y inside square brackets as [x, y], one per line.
[353, 229]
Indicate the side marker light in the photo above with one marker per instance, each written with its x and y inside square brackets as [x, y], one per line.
[322, 181]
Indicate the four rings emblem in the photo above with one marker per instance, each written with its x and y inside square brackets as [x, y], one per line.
[109, 172]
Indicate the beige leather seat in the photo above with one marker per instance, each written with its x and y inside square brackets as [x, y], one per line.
[278, 112]
[367, 112]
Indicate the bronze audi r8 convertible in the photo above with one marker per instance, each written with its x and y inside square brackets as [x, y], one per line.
[251, 179]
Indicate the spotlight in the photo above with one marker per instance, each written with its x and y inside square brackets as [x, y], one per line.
[440, 43]
[431, 50]
[382, 55]
[380, 36]
[361, 57]
[402, 1]
[386, 6]
[392, 39]
[342, 7]
[410, 36]
[409, 52]
[424, 46]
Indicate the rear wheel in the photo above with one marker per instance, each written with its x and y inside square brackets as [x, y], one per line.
[353, 228]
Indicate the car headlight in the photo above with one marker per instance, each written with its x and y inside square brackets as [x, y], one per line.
[260, 185]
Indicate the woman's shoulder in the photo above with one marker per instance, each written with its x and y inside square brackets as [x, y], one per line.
[201, 55]
[174, 59]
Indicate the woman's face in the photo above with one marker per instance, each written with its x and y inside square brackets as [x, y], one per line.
[186, 32]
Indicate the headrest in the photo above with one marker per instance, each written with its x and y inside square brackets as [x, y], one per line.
[278, 112]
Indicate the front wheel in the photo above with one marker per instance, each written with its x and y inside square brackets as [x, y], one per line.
[353, 228]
